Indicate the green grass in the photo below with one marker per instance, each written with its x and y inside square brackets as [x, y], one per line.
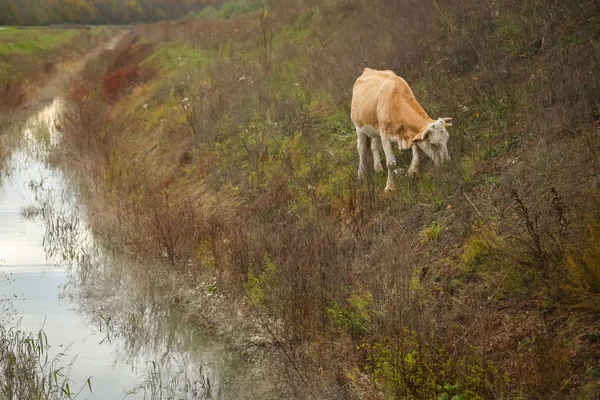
[31, 54]
[32, 40]
[25, 49]
[173, 57]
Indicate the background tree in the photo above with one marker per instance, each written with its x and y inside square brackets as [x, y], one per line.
[9, 14]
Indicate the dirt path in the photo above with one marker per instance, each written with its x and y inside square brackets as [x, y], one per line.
[46, 93]
[67, 71]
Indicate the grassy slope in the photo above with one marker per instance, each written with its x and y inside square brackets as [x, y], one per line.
[29, 58]
[479, 280]
[28, 55]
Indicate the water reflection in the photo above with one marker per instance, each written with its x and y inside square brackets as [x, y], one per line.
[174, 359]
[59, 275]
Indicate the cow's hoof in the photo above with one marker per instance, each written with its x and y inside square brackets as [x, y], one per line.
[378, 168]
[413, 173]
[389, 190]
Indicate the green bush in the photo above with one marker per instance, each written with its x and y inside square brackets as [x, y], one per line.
[208, 13]
[582, 266]
[355, 316]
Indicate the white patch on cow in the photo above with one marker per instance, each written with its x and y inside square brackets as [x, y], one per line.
[368, 130]
[373, 132]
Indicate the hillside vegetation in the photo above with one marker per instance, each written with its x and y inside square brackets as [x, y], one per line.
[29, 57]
[46, 12]
[220, 153]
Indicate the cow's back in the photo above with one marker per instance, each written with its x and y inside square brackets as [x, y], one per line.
[384, 97]
[368, 89]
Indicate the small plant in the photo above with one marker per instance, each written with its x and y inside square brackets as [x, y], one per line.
[482, 249]
[582, 266]
[356, 316]
[451, 392]
[261, 282]
[432, 232]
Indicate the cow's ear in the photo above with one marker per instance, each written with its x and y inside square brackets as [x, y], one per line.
[421, 136]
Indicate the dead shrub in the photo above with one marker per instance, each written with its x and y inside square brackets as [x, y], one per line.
[116, 82]
[85, 122]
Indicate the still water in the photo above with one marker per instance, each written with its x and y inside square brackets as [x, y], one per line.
[55, 277]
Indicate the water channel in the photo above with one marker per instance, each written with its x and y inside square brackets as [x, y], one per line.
[58, 277]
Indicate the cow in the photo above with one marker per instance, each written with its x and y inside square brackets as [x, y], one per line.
[385, 110]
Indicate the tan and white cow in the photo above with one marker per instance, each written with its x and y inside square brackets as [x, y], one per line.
[385, 110]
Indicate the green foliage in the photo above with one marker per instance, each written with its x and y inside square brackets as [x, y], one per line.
[28, 54]
[505, 268]
[410, 367]
[230, 9]
[483, 250]
[509, 33]
[582, 266]
[433, 231]
[354, 316]
[99, 11]
[174, 58]
[33, 40]
[208, 13]
[262, 281]
[233, 8]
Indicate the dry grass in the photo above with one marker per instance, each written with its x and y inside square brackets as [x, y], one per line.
[472, 281]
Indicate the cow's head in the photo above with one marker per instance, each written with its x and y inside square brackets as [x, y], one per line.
[433, 140]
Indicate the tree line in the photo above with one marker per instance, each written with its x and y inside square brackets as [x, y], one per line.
[47, 12]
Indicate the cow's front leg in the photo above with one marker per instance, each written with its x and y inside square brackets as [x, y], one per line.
[375, 149]
[361, 146]
[390, 159]
[413, 170]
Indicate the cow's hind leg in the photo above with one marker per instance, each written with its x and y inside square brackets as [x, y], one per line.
[376, 149]
[390, 159]
[361, 146]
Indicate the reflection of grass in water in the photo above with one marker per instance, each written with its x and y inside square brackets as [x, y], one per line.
[178, 386]
[126, 311]
[7, 310]
[178, 363]
[67, 240]
[41, 131]
[35, 136]
[27, 372]
[2, 158]
[26, 369]
[5, 152]
[41, 136]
